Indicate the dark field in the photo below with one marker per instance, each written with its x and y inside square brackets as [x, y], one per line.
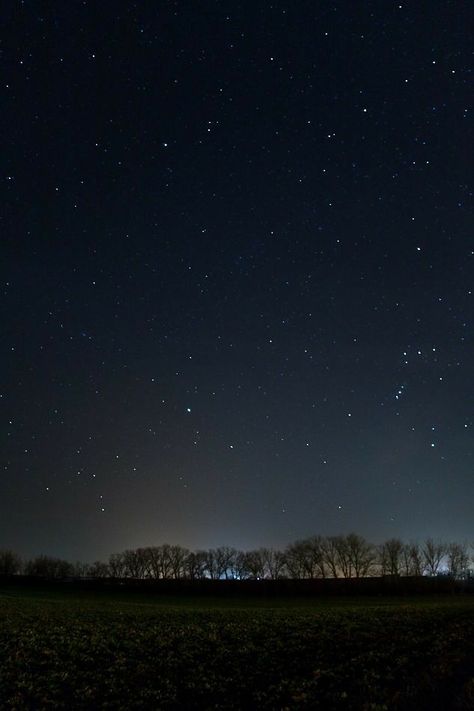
[65, 650]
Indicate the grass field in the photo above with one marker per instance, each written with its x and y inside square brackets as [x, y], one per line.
[124, 651]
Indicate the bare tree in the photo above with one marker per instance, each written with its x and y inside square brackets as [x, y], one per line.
[433, 553]
[296, 555]
[361, 555]
[44, 566]
[10, 563]
[212, 564]
[241, 568]
[274, 563]
[165, 558]
[317, 557]
[307, 558]
[330, 547]
[224, 561]
[254, 564]
[195, 565]
[154, 562]
[412, 559]
[163, 561]
[98, 569]
[116, 565]
[177, 561]
[80, 570]
[337, 556]
[391, 557]
[134, 565]
[457, 558]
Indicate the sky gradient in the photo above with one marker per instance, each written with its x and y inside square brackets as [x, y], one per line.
[237, 272]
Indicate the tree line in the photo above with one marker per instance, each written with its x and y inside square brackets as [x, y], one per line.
[343, 556]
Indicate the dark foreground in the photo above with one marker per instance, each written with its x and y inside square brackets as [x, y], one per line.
[84, 651]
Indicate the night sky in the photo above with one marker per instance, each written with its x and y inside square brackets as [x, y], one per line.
[237, 272]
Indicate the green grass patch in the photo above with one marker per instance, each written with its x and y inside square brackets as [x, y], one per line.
[71, 650]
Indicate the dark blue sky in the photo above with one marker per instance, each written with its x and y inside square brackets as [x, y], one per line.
[236, 264]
